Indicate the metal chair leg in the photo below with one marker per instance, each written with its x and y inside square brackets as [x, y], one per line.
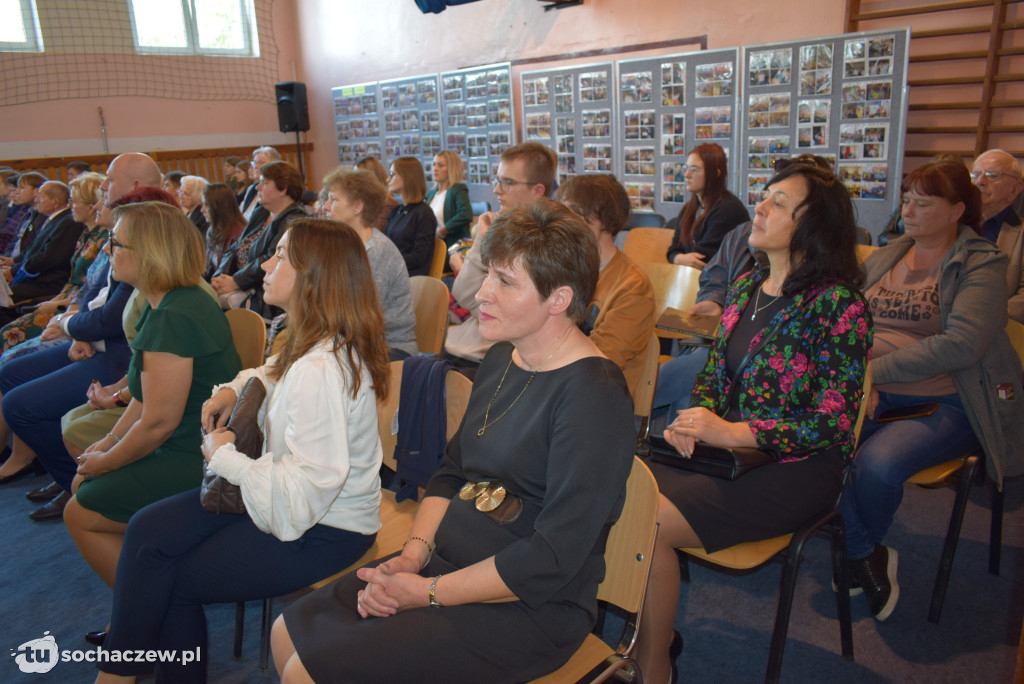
[995, 537]
[956, 520]
[236, 651]
[265, 635]
[841, 569]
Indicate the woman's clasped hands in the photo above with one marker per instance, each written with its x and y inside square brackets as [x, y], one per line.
[392, 586]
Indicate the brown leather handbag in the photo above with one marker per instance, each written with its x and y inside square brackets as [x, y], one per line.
[217, 495]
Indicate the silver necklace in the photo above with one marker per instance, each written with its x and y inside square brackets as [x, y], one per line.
[757, 300]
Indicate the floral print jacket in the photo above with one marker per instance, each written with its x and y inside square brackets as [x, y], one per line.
[801, 392]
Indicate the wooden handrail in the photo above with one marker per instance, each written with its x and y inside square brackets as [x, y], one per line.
[908, 11]
[207, 163]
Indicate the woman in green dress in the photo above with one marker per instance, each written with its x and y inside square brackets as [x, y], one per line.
[85, 194]
[183, 348]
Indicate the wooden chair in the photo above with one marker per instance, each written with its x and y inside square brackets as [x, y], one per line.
[966, 469]
[674, 286]
[396, 516]
[437, 261]
[644, 219]
[643, 395]
[864, 251]
[249, 333]
[430, 302]
[648, 245]
[627, 559]
[751, 555]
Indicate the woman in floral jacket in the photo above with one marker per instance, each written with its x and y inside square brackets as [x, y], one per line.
[786, 375]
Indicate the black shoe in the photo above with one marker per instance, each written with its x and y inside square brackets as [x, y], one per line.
[876, 575]
[96, 638]
[53, 510]
[674, 650]
[855, 589]
[44, 494]
[33, 468]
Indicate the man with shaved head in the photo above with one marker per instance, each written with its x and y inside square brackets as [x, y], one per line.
[130, 171]
[45, 267]
[998, 177]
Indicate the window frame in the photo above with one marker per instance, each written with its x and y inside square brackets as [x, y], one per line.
[33, 35]
[250, 36]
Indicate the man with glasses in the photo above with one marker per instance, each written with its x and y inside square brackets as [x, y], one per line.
[260, 156]
[998, 176]
[526, 172]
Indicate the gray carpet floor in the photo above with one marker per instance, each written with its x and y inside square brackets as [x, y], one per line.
[726, 620]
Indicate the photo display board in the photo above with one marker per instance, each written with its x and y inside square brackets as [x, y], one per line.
[842, 98]
[572, 110]
[356, 122]
[667, 106]
[478, 123]
[411, 120]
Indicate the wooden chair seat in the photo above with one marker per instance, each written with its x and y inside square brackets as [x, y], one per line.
[745, 556]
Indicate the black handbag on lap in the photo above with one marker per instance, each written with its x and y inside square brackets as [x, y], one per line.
[217, 495]
[726, 463]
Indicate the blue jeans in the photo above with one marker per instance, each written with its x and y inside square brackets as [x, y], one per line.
[178, 556]
[889, 455]
[676, 380]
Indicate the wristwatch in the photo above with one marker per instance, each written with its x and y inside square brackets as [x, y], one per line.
[432, 595]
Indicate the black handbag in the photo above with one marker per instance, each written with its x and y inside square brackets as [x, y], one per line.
[217, 495]
[727, 463]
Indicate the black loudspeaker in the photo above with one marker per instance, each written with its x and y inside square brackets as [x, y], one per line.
[292, 108]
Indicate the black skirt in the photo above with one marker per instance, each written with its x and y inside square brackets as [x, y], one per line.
[765, 502]
[479, 642]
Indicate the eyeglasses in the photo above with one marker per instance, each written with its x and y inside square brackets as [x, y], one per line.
[506, 183]
[991, 175]
[112, 241]
[692, 169]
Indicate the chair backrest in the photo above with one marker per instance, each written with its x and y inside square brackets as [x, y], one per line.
[430, 302]
[249, 333]
[644, 219]
[648, 244]
[437, 261]
[1015, 331]
[627, 556]
[674, 286]
[864, 251]
[863, 409]
[457, 390]
[643, 394]
[480, 207]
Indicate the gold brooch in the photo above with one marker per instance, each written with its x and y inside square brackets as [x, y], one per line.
[488, 495]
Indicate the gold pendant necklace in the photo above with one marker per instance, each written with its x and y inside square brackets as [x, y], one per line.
[487, 413]
[757, 300]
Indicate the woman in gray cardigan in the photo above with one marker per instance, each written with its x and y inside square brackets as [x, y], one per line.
[938, 298]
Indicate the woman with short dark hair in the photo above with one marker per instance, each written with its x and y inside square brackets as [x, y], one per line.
[238, 278]
[549, 424]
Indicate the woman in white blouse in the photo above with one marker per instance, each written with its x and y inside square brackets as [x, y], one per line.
[312, 497]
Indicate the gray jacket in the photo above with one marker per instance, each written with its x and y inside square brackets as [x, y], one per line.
[973, 346]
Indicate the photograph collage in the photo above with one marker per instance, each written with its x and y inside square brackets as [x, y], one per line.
[831, 97]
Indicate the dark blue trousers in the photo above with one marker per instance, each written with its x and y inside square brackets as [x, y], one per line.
[40, 387]
[177, 557]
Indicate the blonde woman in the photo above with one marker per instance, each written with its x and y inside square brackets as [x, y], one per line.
[449, 199]
[182, 350]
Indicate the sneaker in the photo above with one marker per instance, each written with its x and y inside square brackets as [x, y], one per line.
[876, 575]
[855, 589]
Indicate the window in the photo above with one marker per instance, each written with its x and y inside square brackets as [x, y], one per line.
[207, 27]
[19, 29]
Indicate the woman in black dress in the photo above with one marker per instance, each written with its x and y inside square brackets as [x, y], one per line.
[504, 596]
